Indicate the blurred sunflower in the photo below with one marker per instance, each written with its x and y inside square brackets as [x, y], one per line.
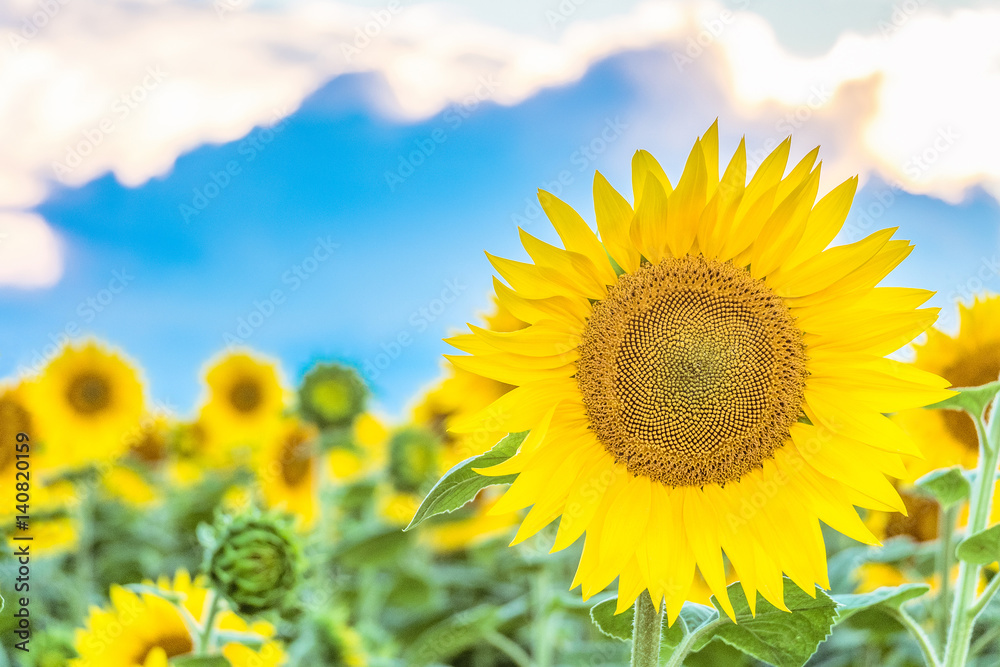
[245, 402]
[15, 417]
[969, 359]
[921, 523]
[287, 470]
[459, 395]
[331, 396]
[462, 394]
[146, 630]
[87, 400]
[705, 379]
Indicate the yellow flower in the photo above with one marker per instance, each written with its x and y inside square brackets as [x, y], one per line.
[287, 470]
[704, 379]
[948, 437]
[370, 439]
[245, 402]
[87, 401]
[146, 630]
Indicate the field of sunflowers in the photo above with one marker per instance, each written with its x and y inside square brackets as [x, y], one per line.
[691, 419]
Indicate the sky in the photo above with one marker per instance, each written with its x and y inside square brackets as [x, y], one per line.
[319, 181]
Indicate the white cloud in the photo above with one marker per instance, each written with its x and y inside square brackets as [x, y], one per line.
[30, 252]
[128, 86]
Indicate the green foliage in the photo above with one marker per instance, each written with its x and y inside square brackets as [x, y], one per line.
[614, 626]
[887, 597]
[982, 548]
[462, 483]
[948, 486]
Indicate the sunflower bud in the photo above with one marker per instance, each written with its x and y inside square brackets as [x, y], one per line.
[252, 560]
[413, 459]
[331, 396]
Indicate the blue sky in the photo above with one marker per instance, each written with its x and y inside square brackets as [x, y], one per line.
[313, 240]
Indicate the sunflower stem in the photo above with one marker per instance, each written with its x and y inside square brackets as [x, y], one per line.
[926, 647]
[646, 632]
[947, 518]
[965, 609]
[207, 635]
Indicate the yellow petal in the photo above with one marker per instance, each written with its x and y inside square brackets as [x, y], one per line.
[614, 216]
[576, 235]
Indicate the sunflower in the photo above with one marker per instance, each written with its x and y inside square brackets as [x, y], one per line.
[145, 630]
[921, 525]
[87, 401]
[245, 401]
[15, 418]
[287, 472]
[704, 379]
[969, 359]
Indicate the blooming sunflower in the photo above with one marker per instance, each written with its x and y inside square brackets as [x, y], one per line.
[704, 378]
[969, 359]
[286, 470]
[146, 630]
[87, 401]
[245, 401]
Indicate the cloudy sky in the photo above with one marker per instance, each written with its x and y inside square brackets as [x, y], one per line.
[319, 179]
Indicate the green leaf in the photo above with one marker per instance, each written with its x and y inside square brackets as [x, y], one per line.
[980, 548]
[616, 627]
[970, 399]
[692, 617]
[452, 635]
[948, 486]
[461, 484]
[891, 597]
[774, 636]
[200, 661]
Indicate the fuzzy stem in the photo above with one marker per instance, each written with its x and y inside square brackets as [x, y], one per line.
[646, 632]
[964, 610]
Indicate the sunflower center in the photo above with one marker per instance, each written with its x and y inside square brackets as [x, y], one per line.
[245, 395]
[14, 419]
[173, 645]
[691, 371]
[920, 522]
[89, 393]
[971, 370]
[296, 459]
